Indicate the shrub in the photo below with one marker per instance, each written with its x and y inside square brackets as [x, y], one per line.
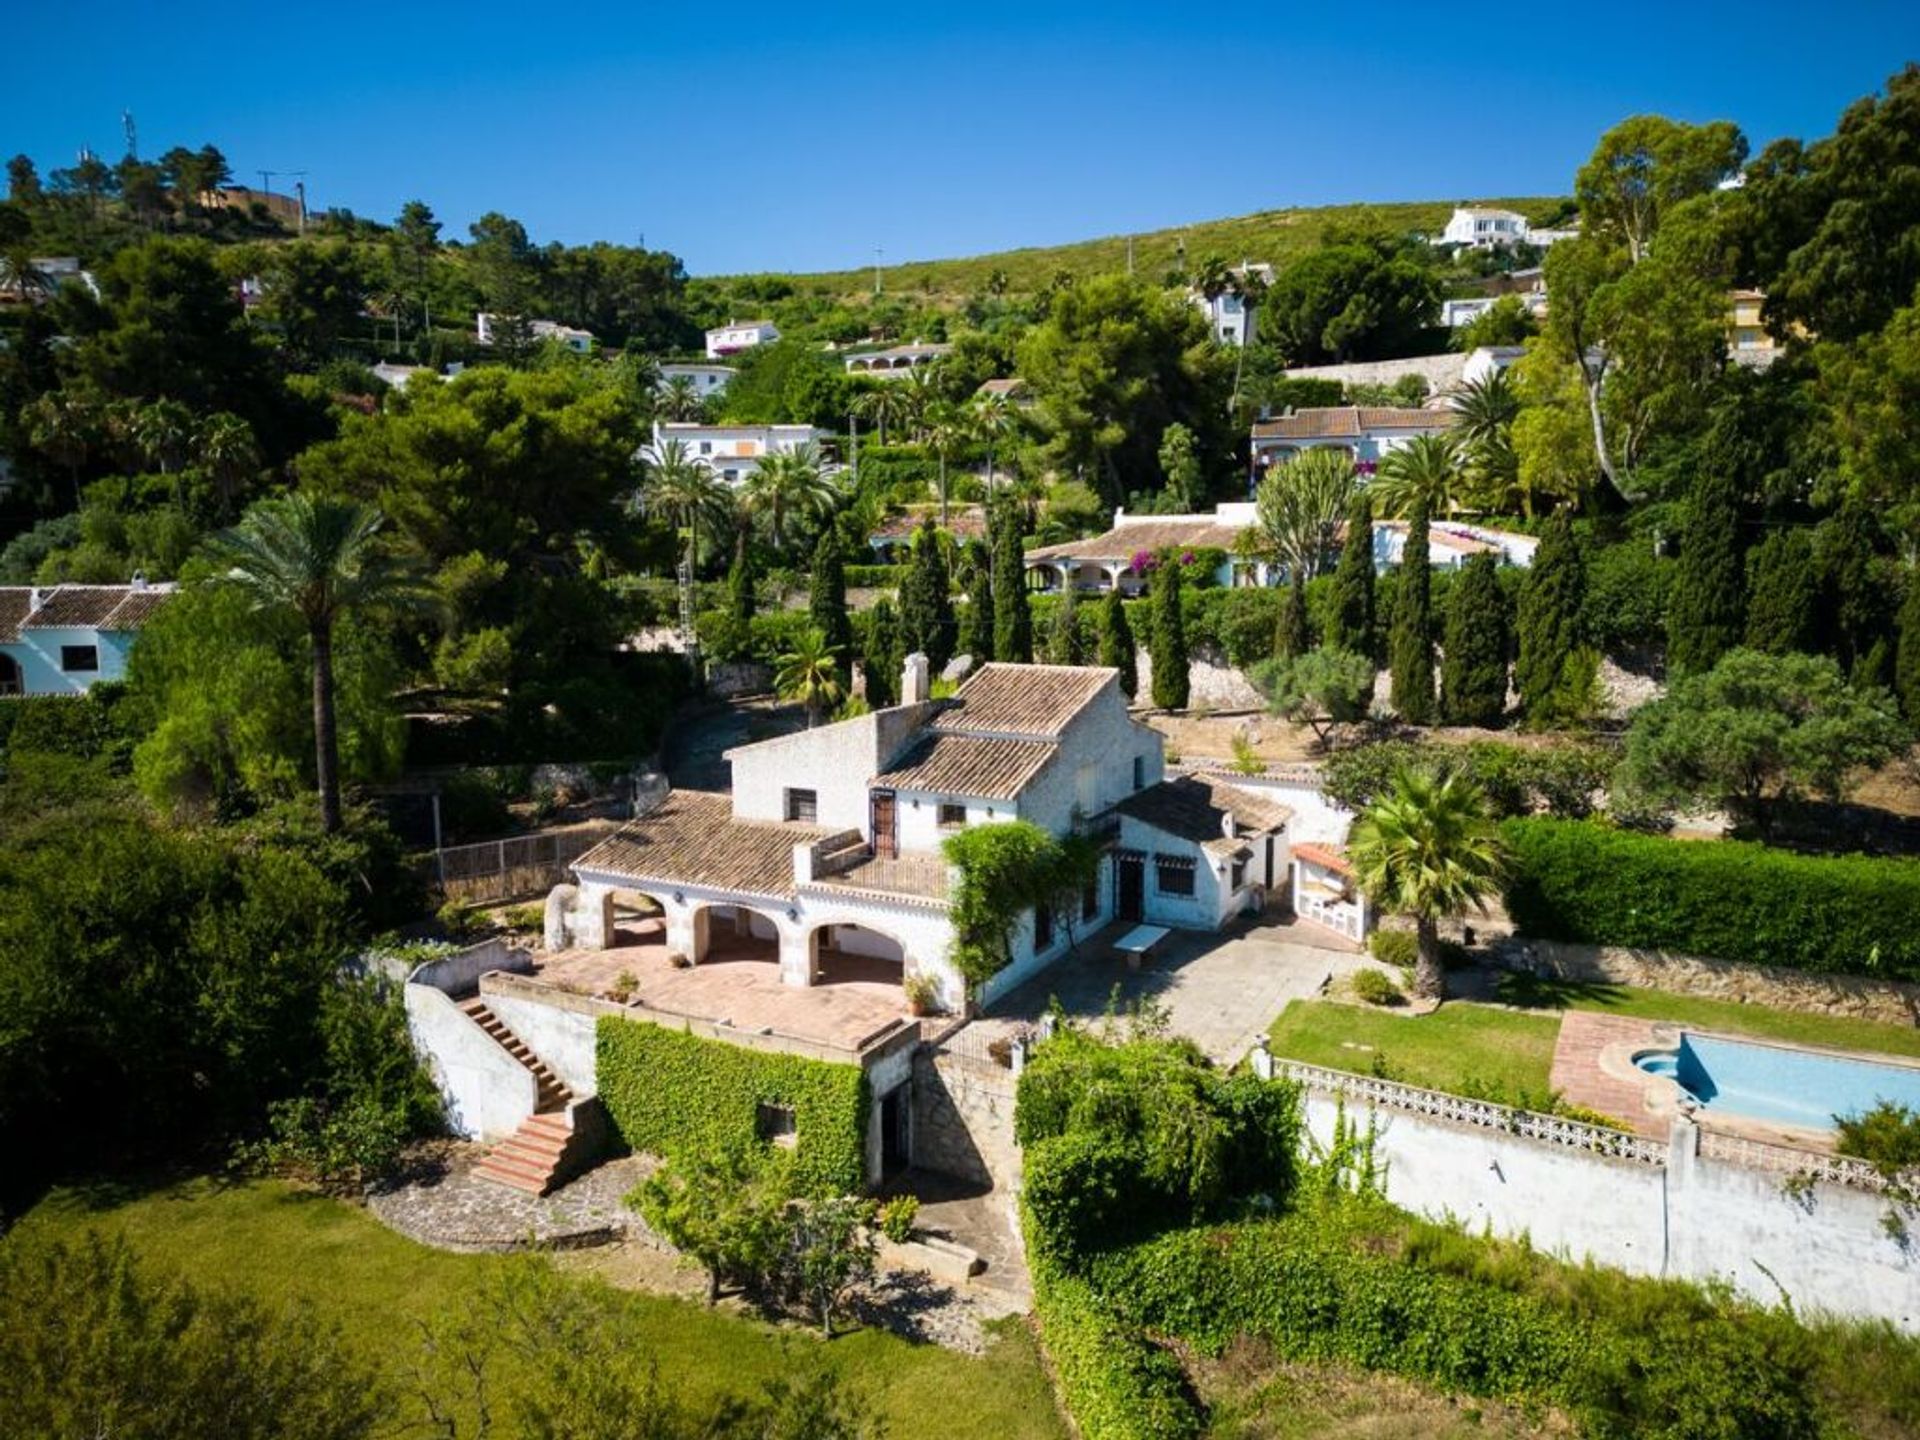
[1249, 621]
[896, 1216]
[675, 1094]
[1117, 1384]
[1730, 900]
[1375, 987]
[338, 1148]
[875, 577]
[1394, 947]
[1888, 1136]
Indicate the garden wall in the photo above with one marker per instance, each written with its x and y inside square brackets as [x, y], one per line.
[1891, 1002]
[1693, 1218]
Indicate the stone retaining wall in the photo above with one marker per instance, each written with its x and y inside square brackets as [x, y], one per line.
[1211, 681]
[1890, 1002]
[963, 1120]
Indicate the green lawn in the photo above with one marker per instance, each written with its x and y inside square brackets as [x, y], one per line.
[1505, 1052]
[282, 1244]
[1478, 1050]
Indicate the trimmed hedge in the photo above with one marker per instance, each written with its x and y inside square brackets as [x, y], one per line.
[669, 1093]
[1118, 1385]
[875, 577]
[1722, 899]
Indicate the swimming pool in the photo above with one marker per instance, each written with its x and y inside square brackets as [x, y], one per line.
[1785, 1086]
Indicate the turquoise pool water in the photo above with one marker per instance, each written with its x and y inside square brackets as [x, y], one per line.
[1787, 1087]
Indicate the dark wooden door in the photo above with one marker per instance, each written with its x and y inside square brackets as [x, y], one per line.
[886, 832]
[896, 1136]
[1132, 883]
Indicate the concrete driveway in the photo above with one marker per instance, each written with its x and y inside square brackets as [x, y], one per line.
[1220, 991]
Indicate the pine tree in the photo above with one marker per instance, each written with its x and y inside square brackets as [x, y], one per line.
[1351, 624]
[1169, 645]
[1782, 591]
[976, 628]
[1473, 669]
[1116, 642]
[1063, 637]
[1012, 616]
[1551, 624]
[926, 608]
[881, 659]
[1707, 614]
[1906, 660]
[827, 600]
[1291, 640]
[1412, 641]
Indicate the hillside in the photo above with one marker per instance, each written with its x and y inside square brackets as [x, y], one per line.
[1274, 236]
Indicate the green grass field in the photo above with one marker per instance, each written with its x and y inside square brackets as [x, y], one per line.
[1273, 236]
[282, 1245]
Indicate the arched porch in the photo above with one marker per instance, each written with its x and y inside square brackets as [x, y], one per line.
[843, 953]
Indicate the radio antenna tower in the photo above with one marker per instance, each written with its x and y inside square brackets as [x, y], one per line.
[133, 141]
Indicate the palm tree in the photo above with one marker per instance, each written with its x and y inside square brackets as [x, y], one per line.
[994, 420]
[1484, 411]
[881, 406]
[683, 487]
[67, 428]
[319, 558]
[947, 429]
[1301, 504]
[230, 454]
[161, 432]
[788, 482]
[1427, 467]
[810, 673]
[1428, 849]
[680, 399]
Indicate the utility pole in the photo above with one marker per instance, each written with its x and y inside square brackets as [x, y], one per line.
[877, 252]
[133, 141]
[300, 192]
[266, 180]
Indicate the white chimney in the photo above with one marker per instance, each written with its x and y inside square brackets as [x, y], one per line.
[34, 599]
[139, 580]
[916, 684]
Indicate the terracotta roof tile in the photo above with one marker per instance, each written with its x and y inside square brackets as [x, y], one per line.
[1324, 855]
[1349, 422]
[987, 769]
[1024, 700]
[693, 839]
[85, 607]
[1195, 807]
[13, 609]
[1165, 532]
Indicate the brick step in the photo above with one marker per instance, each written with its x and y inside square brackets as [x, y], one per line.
[533, 1158]
[528, 1182]
[532, 1146]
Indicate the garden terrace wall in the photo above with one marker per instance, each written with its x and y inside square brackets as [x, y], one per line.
[668, 1091]
[1849, 915]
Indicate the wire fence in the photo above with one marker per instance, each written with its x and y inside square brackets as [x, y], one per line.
[517, 867]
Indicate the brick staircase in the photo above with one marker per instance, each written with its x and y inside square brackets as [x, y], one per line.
[542, 1152]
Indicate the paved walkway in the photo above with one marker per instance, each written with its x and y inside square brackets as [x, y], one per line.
[442, 1203]
[1579, 1077]
[1221, 991]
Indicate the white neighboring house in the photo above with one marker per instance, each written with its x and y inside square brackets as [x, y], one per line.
[1485, 361]
[707, 380]
[400, 376]
[734, 452]
[1467, 309]
[1366, 433]
[578, 341]
[738, 335]
[1229, 316]
[62, 639]
[1451, 543]
[897, 361]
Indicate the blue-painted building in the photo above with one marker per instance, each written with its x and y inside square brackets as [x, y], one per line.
[61, 639]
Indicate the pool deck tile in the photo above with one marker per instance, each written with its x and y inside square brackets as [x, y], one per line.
[1577, 1074]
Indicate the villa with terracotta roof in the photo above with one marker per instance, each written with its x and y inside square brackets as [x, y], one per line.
[1366, 433]
[61, 639]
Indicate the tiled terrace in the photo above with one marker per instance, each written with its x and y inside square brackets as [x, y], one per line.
[738, 985]
[924, 876]
[1581, 1079]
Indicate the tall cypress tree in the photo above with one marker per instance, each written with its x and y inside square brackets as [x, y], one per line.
[881, 658]
[1169, 644]
[827, 599]
[1551, 623]
[1012, 616]
[1291, 639]
[1707, 614]
[740, 597]
[976, 628]
[1351, 625]
[1855, 609]
[926, 608]
[1906, 660]
[1782, 592]
[1117, 645]
[1473, 669]
[1412, 647]
[1063, 639]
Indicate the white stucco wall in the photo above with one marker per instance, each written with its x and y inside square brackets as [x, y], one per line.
[486, 1091]
[37, 653]
[562, 1038]
[1697, 1220]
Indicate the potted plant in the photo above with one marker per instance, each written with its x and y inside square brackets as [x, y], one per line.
[923, 994]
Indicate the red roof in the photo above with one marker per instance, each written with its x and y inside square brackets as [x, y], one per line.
[1323, 855]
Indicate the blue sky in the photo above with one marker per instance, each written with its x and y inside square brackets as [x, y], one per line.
[752, 136]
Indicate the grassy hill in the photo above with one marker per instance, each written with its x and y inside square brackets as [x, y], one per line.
[1273, 236]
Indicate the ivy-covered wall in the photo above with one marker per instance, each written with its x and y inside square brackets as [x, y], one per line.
[669, 1092]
